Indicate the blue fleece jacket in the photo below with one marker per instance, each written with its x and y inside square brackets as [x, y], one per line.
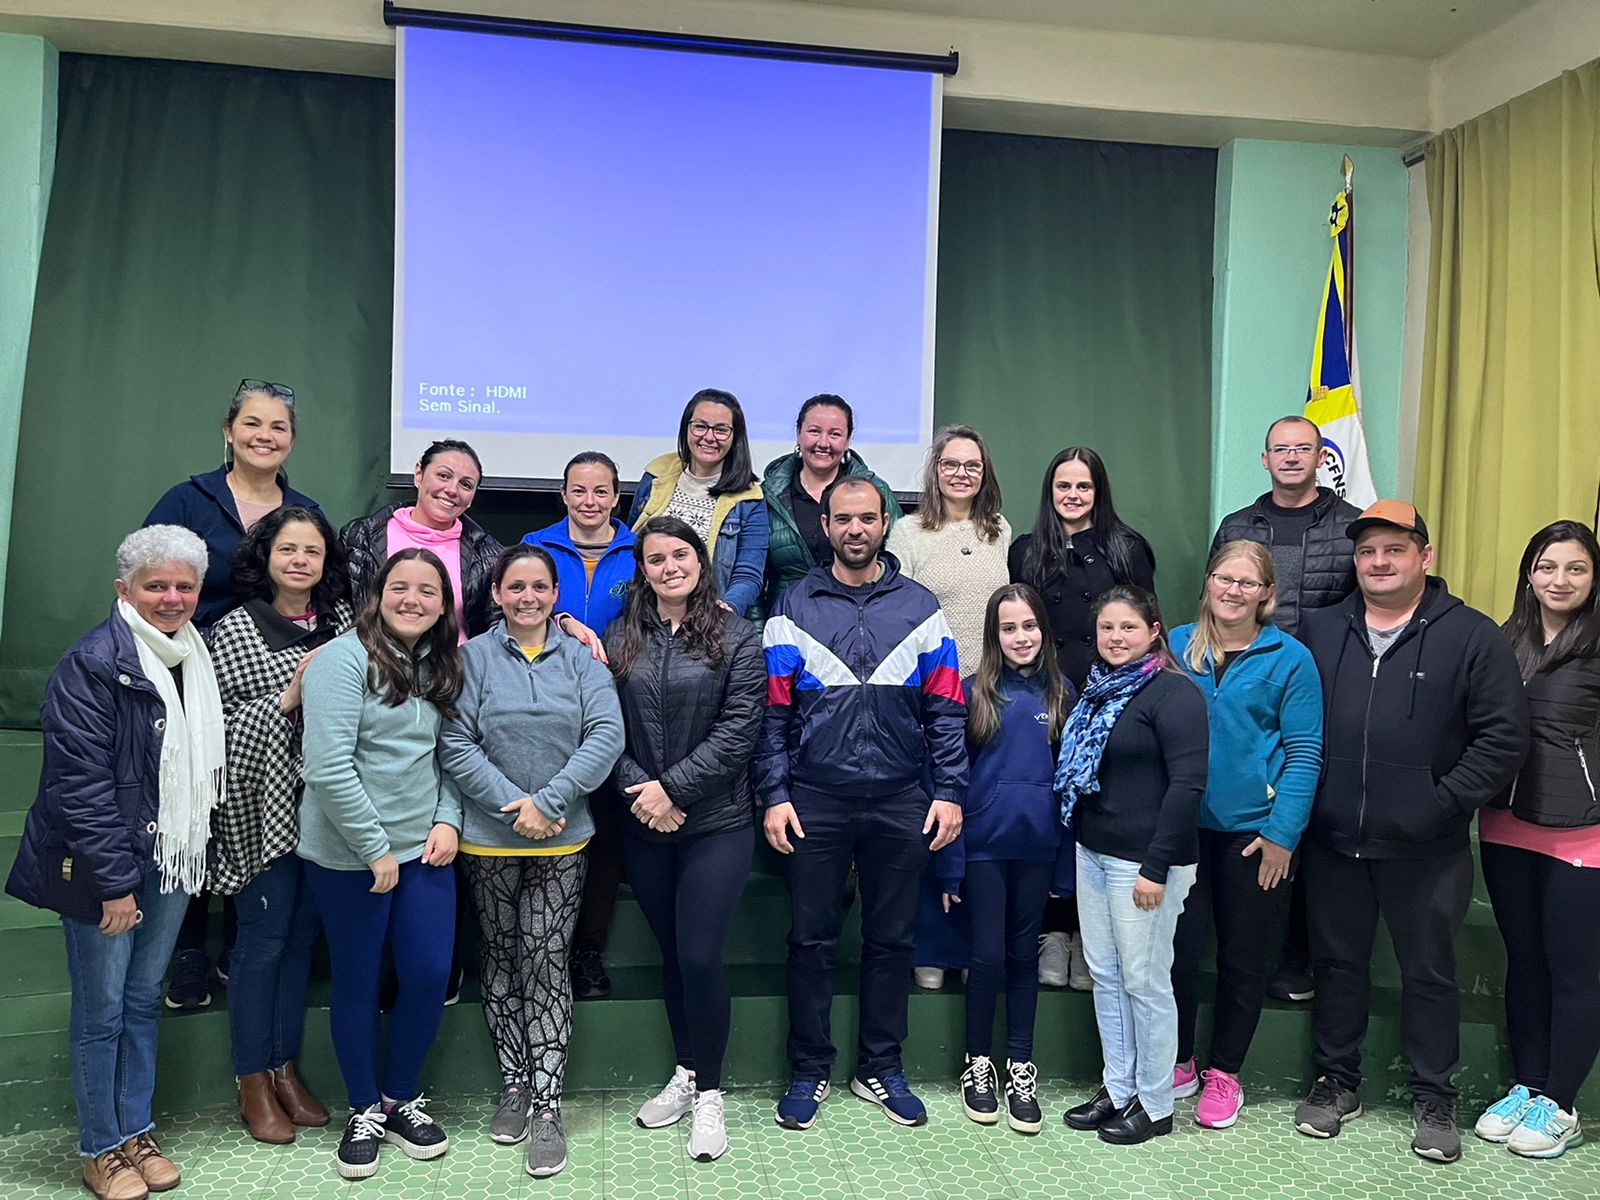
[1266, 737]
[1011, 812]
[596, 603]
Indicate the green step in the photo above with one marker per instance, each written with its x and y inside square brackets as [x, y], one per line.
[21, 753]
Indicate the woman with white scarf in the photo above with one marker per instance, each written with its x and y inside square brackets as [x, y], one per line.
[134, 751]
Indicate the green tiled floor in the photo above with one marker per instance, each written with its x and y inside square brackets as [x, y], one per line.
[852, 1153]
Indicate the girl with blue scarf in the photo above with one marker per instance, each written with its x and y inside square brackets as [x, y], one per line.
[1130, 778]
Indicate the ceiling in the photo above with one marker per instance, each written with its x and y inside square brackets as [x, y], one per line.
[1410, 28]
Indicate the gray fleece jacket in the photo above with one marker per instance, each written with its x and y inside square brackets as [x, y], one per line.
[550, 729]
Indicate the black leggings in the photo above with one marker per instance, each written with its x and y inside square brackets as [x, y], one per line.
[1545, 909]
[688, 889]
[1227, 892]
[1005, 905]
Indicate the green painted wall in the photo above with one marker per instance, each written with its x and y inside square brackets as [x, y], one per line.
[27, 162]
[1271, 257]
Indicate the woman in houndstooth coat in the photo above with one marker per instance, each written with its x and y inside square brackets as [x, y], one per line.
[292, 568]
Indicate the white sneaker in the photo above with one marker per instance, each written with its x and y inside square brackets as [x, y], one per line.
[670, 1104]
[1078, 977]
[929, 978]
[708, 1139]
[1054, 959]
[1500, 1119]
[1546, 1131]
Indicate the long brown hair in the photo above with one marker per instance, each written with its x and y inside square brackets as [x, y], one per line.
[704, 619]
[1205, 647]
[985, 501]
[984, 708]
[1580, 637]
[432, 671]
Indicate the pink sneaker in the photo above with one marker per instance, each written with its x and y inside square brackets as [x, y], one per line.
[1221, 1101]
[1185, 1080]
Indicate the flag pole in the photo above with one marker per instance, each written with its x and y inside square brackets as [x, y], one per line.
[1348, 170]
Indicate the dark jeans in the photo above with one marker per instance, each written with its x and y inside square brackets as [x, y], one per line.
[1004, 903]
[604, 853]
[942, 938]
[887, 844]
[1545, 909]
[688, 890]
[1423, 901]
[269, 968]
[415, 921]
[1226, 892]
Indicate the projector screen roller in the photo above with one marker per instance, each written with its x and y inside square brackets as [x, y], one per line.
[587, 234]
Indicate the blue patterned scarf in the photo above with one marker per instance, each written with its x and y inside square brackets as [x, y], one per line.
[1089, 726]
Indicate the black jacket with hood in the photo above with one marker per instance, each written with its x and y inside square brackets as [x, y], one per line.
[1415, 742]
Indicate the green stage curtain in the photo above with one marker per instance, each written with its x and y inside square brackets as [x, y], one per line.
[212, 222]
[1075, 309]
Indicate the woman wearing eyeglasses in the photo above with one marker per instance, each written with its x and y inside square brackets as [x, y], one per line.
[955, 546]
[709, 484]
[222, 505]
[1265, 704]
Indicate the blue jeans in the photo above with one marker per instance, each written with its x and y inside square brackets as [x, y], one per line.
[116, 1001]
[417, 921]
[1129, 952]
[270, 965]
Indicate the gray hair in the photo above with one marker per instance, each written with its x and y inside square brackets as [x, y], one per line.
[155, 545]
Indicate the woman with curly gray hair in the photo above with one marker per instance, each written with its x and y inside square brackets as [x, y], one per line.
[116, 840]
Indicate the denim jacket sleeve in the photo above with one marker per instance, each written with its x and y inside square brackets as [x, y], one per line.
[750, 556]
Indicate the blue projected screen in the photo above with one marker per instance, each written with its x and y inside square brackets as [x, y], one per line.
[587, 234]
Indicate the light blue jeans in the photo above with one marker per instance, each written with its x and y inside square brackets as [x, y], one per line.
[116, 1000]
[1129, 952]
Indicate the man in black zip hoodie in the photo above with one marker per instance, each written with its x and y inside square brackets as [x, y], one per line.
[1424, 724]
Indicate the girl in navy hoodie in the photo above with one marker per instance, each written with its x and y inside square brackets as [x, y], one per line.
[1014, 848]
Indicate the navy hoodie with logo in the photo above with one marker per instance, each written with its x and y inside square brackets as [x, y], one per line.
[1415, 742]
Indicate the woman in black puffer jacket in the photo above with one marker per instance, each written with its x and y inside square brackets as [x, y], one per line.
[693, 685]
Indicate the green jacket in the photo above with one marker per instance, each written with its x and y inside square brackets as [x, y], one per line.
[788, 558]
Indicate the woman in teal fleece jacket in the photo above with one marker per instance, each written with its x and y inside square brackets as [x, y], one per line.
[1265, 706]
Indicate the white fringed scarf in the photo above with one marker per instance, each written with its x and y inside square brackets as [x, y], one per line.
[193, 748]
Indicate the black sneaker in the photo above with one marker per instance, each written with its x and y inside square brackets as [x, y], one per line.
[1437, 1137]
[1022, 1097]
[189, 988]
[221, 971]
[1327, 1109]
[980, 1090]
[358, 1150]
[414, 1131]
[1294, 981]
[589, 978]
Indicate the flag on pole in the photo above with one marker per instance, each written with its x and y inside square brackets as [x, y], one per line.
[1333, 399]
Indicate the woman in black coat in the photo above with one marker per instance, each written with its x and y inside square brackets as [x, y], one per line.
[1078, 549]
[693, 684]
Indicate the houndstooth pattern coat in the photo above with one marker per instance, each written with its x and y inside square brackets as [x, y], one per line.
[255, 651]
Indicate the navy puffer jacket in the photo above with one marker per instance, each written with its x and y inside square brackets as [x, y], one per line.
[90, 835]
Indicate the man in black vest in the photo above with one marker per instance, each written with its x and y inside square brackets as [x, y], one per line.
[1303, 525]
[1424, 723]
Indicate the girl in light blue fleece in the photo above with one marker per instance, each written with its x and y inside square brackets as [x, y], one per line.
[538, 729]
[1265, 705]
[378, 831]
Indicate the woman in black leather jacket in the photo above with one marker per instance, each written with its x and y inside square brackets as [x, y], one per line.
[693, 685]
[1541, 849]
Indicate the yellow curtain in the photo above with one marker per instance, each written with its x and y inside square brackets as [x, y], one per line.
[1509, 428]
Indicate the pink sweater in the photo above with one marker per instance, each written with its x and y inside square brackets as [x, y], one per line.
[1579, 847]
[405, 534]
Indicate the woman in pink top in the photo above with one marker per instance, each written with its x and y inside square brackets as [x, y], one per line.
[1541, 849]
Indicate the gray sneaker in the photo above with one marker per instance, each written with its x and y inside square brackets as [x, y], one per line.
[509, 1124]
[547, 1144]
[1324, 1112]
[670, 1104]
[1437, 1137]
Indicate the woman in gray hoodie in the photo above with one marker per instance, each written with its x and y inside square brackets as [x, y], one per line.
[537, 729]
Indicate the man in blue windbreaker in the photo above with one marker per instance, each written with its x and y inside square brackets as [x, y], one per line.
[863, 704]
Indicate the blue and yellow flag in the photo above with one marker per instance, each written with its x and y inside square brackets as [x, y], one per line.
[1331, 399]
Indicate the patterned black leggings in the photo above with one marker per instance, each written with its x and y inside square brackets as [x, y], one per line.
[527, 906]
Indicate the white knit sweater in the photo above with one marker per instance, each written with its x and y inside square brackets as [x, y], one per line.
[960, 569]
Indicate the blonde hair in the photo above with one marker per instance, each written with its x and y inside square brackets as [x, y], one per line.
[1205, 647]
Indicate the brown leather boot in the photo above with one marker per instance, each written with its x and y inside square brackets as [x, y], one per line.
[303, 1108]
[111, 1176]
[160, 1172]
[263, 1115]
